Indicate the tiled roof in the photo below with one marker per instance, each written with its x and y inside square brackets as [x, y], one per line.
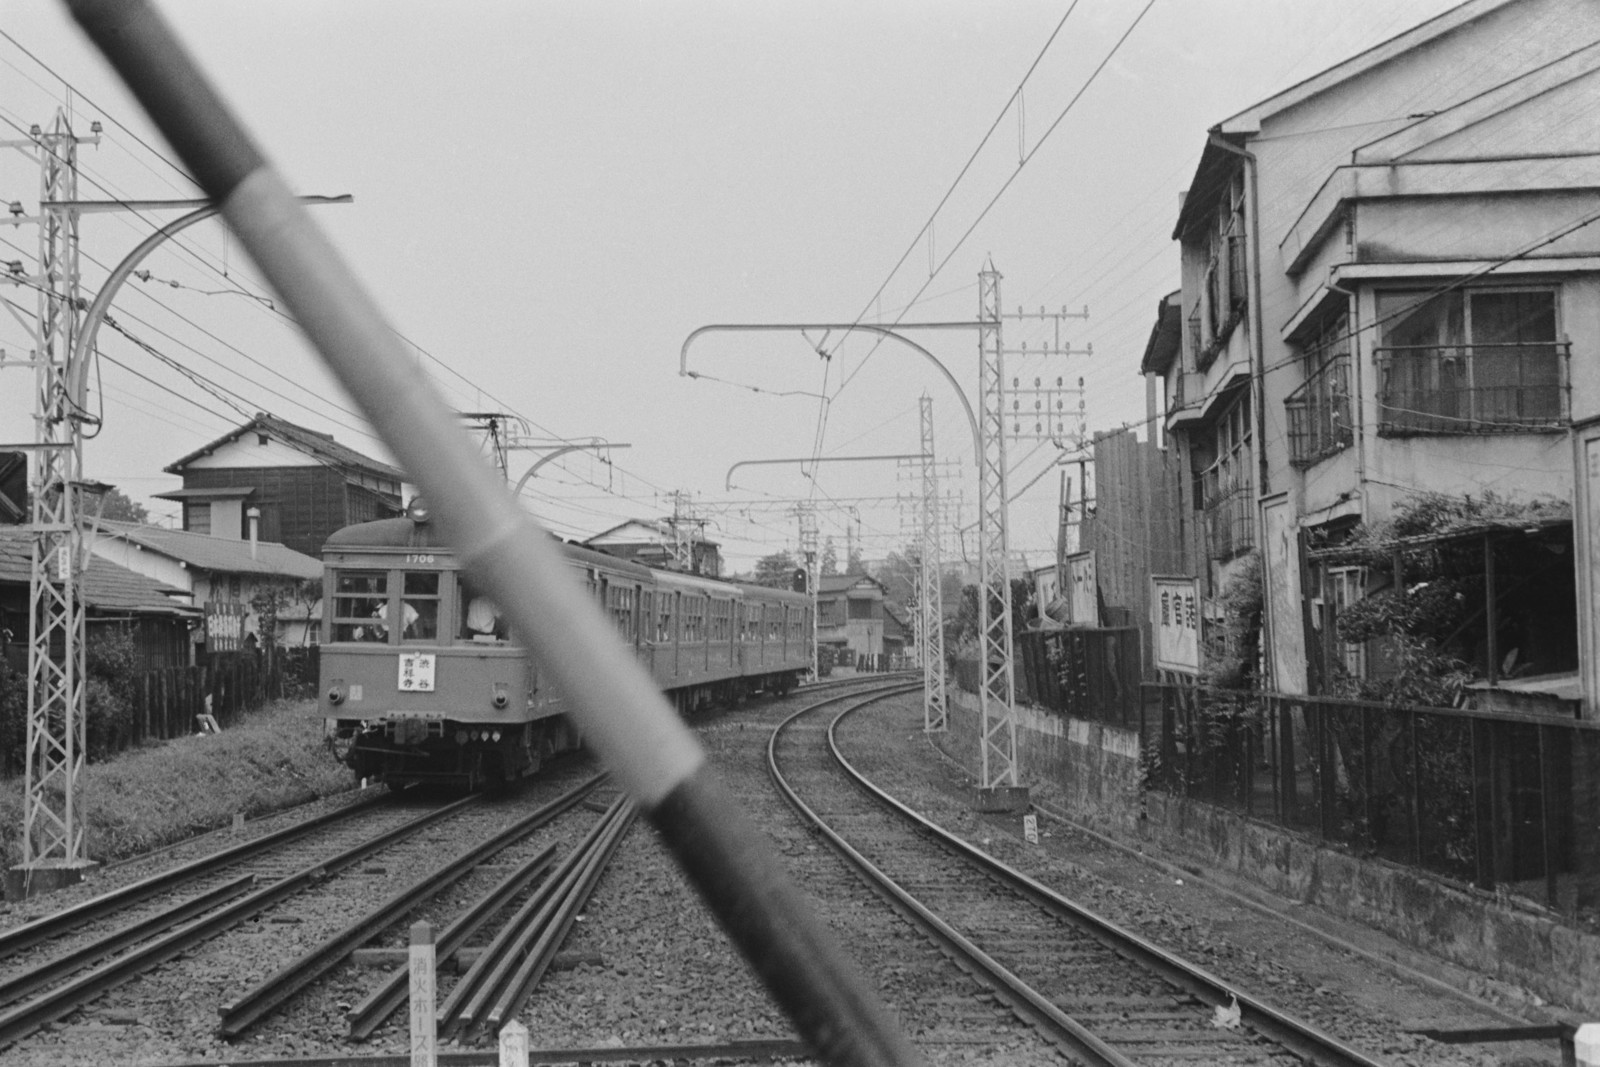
[838, 583]
[319, 445]
[107, 587]
[224, 554]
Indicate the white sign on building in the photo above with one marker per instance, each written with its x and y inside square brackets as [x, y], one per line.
[1175, 622]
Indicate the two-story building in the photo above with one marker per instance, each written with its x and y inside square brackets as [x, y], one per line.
[1391, 288]
[851, 618]
[294, 486]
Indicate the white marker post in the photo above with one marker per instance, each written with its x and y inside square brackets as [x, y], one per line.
[1030, 828]
[513, 1045]
[1586, 1045]
[424, 1033]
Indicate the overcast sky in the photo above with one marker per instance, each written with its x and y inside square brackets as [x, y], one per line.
[550, 197]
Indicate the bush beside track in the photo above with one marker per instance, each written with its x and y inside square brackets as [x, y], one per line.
[161, 793]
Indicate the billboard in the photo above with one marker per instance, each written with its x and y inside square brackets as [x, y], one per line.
[1175, 623]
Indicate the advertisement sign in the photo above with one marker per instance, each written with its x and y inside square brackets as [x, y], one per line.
[1083, 590]
[1175, 622]
[224, 626]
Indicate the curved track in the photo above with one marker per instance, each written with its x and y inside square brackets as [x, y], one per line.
[1095, 990]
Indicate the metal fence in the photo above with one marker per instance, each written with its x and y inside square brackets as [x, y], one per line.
[1085, 673]
[1499, 800]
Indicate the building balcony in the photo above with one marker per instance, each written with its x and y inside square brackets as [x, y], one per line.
[1319, 414]
[1472, 388]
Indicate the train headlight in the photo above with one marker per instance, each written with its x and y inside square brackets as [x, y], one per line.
[417, 510]
[501, 698]
[336, 693]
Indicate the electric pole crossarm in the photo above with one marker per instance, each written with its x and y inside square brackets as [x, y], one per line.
[803, 460]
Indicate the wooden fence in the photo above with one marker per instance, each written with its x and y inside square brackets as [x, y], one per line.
[168, 701]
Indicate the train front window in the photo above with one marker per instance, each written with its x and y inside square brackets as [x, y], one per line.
[361, 606]
[481, 619]
[419, 606]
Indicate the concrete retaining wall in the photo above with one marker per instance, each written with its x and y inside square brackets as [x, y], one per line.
[1092, 772]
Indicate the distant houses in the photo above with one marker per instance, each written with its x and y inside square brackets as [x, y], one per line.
[157, 615]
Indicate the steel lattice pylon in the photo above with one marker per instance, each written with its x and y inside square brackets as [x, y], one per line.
[997, 685]
[930, 598]
[52, 830]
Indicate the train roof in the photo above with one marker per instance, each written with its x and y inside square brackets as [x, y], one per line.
[404, 534]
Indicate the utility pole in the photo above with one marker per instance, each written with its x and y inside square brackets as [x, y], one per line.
[806, 513]
[686, 530]
[997, 687]
[52, 824]
[930, 592]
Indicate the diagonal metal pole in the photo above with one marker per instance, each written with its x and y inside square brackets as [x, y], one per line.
[628, 722]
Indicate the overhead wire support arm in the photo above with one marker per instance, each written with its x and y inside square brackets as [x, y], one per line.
[803, 460]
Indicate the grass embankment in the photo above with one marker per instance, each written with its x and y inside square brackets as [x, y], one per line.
[164, 792]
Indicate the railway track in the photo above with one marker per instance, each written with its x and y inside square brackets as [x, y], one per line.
[1098, 992]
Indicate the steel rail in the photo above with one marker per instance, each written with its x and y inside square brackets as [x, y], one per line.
[250, 1007]
[57, 923]
[25, 1018]
[543, 950]
[488, 975]
[1306, 1041]
[368, 1015]
[753, 1049]
[1023, 1000]
[36, 978]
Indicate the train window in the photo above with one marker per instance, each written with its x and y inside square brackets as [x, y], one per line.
[647, 616]
[721, 617]
[621, 605]
[482, 622]
[360, 606]
[694, 618]
[419, 606]
[664, 630]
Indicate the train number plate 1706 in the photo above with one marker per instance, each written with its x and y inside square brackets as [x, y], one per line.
[416, 672]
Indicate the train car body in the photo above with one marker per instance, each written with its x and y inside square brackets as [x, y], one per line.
[422, 680]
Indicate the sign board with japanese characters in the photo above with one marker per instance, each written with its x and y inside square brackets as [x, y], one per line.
[1083, 589]
[224, 626]
[416, 672]
[1175, 622]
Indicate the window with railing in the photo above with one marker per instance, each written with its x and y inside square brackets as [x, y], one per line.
[1470, 362]
[1226, 487]
[1319, 411]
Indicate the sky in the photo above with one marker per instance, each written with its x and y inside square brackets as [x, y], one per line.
[548, 198]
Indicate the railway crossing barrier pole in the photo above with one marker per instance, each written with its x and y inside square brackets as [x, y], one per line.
[424, 1028]
[513, 1045]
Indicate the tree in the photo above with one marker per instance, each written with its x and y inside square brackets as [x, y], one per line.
[900, 577]
[119, 508]
[776, 571]
[830, 559]
[854, 564]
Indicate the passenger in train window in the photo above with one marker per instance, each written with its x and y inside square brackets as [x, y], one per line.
[481, 620]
